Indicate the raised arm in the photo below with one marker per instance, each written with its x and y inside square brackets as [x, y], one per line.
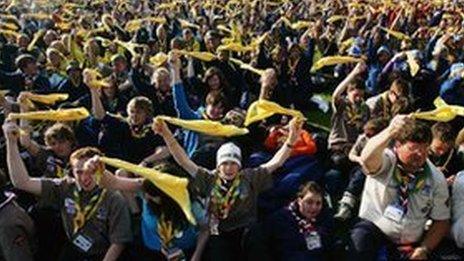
[371, 155]
[284, 152]
[110, 181]
[98, 111]
[184, 111]
[31, 146]
[174, 147]
[18, 173]
[341, 88]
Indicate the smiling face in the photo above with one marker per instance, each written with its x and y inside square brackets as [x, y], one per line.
[310, 205]
[228, 170]
[137, 116]
[84, 178]
[412, 155]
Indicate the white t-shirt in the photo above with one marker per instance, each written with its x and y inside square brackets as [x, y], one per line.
[457, 229]
[380, 190]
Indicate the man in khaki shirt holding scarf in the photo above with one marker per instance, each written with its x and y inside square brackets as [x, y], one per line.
[96, 221]
[403, 190]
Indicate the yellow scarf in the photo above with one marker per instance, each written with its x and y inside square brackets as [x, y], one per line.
[208, 127]
[262, 109]
[173, 186]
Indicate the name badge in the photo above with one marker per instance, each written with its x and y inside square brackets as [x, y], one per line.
[83, 243]
[313, 240]
[394, 212]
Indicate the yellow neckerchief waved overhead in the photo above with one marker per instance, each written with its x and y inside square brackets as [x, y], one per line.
[173, 186]
[262, 109]
[212, 128]
[443, 112]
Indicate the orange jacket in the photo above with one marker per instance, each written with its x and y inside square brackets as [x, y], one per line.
[304, 145]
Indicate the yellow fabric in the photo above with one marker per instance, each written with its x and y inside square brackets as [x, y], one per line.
[184, 24]
[76, 51]
[37, 36]
[159, 59]
[262, 109]
[129, 46]
[335, 18]
[135, 24]
[443, 112]
[208, 127]
[333, 60]
[94, 76]
[236, 47]
[413, 65]
[10, 33]
[48, 99]
[9, 26]
[347, 43]
[396, 34]
[247, 67]
[204, 56]
[173, 186]
[166, 6]
[300, 25]
[53, 115]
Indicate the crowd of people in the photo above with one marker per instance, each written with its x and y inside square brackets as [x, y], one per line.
[224, 101]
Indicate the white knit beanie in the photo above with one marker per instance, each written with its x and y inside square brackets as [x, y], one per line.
[229, 152]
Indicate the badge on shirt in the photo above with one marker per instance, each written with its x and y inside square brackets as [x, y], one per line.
[214, 226]
[82, 242]
[394, 212]
[70, 206]
[313, 240]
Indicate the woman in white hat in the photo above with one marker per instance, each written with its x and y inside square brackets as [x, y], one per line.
[232, 191]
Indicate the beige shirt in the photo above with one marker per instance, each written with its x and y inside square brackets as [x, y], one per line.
[380, 190]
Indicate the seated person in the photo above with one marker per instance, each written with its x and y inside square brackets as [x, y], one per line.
[392, 102]
[96, 221]
[403, 190]
[442, 152]
[302, 230]
[233, 192]
[353, 191]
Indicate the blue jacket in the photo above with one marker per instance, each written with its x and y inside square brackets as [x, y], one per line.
[184, 240]
[185, 112]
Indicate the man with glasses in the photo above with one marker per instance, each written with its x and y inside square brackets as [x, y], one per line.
[403, 190]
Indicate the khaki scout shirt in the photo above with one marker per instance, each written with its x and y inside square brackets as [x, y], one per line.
[244, 210]
[16, 232]
[110, 223]
[380, 190]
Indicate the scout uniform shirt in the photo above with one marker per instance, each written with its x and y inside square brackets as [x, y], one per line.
[108, 223]
[244, 210]
[429, 201]
[347, 123]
